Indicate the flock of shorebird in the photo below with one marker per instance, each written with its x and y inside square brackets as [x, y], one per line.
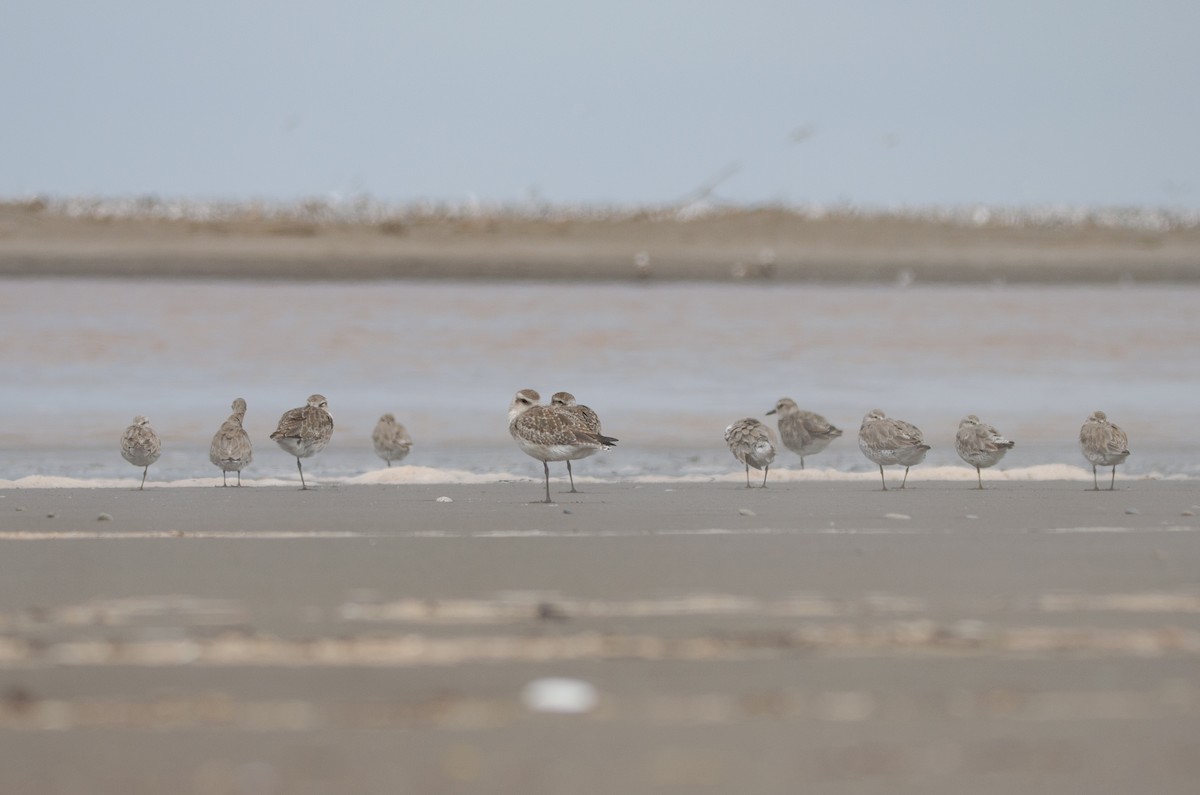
[302, 431]
[890, 442]
[563, 430]
[566, 431]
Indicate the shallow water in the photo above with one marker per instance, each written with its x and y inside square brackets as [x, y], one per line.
[667, 366]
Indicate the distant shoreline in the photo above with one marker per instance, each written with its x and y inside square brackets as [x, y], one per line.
[319, 242]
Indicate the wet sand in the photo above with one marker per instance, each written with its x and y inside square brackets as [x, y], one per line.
[1031, 637]
[841, 245]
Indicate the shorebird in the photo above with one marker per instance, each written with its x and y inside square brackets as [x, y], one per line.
[891, 442]
[980, 445]
[231, 449]
[803, 432]
[584, 417]
[752, 443]
[391, 439]
[305, 431]
[1104, 444]
[140, 446]
[550, 433]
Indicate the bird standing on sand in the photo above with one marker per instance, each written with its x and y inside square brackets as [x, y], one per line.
[1104, 444]
[803, 432]
[980, 445]
[140, 446]
[584, 417]
[305, 431]
[391, 439]
[550, 433]
[890, 442]
[231, 449]
[752, 443]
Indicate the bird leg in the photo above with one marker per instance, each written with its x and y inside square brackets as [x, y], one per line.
[979, 475]
[766, 469]
[546, 466]
[303, 485]
[572, 477]
[802, 462]
[748, 477]
[1095, 483]
[1112, 484]
[147, 469]
[905, 478]
[223, 483]
[239, 478]
[881, 477]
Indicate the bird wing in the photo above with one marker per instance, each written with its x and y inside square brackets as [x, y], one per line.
[231, 443]
[546, 426]
[1117, 441]
[140, 439]
[794, 430]
[903, 434]
[995, 440]
[289, 424]
[816, 425]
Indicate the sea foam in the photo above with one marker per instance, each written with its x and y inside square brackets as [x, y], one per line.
[420, 475]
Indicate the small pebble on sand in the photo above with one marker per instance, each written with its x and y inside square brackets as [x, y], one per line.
[104, 517]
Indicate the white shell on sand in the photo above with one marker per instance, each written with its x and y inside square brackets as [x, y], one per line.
[559, 695]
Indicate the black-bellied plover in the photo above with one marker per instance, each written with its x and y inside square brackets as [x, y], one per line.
[305, 431]
[548, 433]
[391, 439]
[586, 419]
[752, 443]
[140, 446]
[980, 444]
[1103, 444]
[890, 442]
[231, 450]
[803, 432]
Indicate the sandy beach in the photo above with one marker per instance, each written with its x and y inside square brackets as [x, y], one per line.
[375, 635]
[1034, 636]
[835, 245]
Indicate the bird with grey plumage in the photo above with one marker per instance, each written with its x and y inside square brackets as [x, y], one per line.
[141, 446]
[752, 443]
[585, 417]
[980, 444]
[1103, 444]
[391, 439]
[891, 442]
[550, 433]
[231, 450]
[803, 432]
[305, 431]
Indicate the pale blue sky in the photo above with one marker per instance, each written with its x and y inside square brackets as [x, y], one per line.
[913, 103]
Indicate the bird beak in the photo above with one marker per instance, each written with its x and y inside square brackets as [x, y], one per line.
[769, 413]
